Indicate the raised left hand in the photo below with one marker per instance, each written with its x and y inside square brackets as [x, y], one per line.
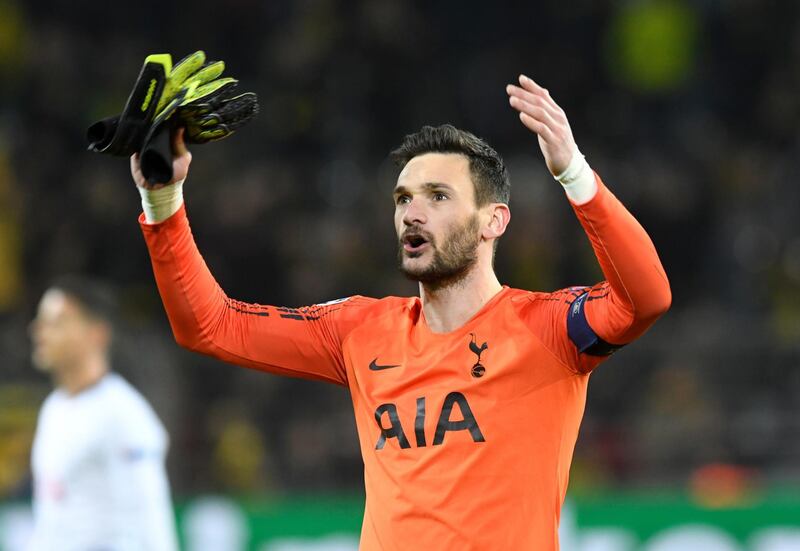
[540, 114]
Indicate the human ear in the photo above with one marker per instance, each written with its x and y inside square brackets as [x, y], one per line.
[499, 217]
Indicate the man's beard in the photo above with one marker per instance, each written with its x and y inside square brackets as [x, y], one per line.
[452, 262]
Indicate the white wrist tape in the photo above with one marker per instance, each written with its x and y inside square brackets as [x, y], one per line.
[578, 180]
[160, 204]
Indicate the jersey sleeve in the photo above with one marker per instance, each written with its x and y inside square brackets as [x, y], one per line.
[636, 290]
[138, 445]
[298, 342]
[582, 326]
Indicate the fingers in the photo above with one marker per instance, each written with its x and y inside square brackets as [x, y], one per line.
[539, 100]
[538, 127]
[538, 111]
[187, 66]
[208, 72]
[136, 172]
[181, 157]
[537, 118]
[531, 87]
[529, 84]
[541, 115]
[178, 144]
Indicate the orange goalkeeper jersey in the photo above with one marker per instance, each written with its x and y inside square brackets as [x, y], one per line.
[467, 437]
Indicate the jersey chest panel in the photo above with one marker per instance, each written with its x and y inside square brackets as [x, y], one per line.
[412, 388]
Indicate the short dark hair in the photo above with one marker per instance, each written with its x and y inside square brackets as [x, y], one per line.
[488, 171]
[95, 298]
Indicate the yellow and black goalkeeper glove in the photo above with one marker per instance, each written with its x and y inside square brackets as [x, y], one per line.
[209, 112]
[191, 94]
[218, 117]
[158, 83]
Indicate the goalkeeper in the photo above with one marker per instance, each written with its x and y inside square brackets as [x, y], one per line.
[468, 398]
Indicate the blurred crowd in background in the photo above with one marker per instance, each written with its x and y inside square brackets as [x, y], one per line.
[688, 109]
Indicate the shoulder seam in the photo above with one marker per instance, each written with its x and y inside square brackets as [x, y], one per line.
[572, 370]
[404, 307]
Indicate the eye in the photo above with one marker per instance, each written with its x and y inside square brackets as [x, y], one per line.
[439, 196]
[402, 199]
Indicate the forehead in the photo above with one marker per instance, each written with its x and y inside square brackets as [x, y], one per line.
[55, 303]
[442, 168]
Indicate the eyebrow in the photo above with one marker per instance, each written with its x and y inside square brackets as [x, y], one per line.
[427, 186]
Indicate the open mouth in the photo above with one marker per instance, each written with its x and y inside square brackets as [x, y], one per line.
[414, 243]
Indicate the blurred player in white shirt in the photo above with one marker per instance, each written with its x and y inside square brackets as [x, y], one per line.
[100, 482]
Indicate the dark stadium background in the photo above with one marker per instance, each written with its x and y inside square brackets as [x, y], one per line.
[688, 109]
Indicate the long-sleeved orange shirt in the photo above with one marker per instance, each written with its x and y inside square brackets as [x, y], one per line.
[467, 437]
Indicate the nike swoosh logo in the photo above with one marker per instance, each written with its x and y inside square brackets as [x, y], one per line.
[375, 367]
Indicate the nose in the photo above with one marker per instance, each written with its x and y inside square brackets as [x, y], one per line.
[415, 213]
[34, 330]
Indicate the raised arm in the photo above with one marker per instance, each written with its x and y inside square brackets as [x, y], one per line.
[295, 342]
[637, 291]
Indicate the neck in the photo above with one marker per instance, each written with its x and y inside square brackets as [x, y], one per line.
[448, 308]
[83, 375]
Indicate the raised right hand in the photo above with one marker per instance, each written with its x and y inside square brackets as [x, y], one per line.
[181, 159]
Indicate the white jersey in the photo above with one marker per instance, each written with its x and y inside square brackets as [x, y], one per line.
[100, 482]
